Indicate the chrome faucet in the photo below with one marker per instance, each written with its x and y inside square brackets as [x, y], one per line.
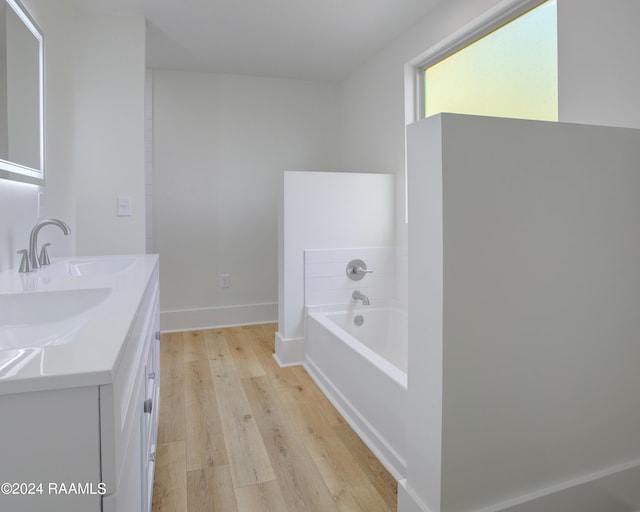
[33, 242]
[357, 295]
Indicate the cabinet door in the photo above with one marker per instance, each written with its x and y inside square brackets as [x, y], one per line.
[129, 495]
[129, 486]
[51, 438]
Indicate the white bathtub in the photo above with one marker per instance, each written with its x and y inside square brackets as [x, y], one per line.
[362, 370]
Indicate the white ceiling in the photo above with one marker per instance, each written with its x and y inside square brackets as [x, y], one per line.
[304, 39]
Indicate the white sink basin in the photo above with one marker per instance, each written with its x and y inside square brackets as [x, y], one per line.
[100, 267]
[36, 319]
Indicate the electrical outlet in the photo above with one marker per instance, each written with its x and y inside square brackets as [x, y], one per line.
[124, 206]
[225, 280]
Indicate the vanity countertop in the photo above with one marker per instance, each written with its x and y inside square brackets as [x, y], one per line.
[66, 324]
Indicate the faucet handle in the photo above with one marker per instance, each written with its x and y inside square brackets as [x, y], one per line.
[356, 270]
[44, 255]
[24, 264]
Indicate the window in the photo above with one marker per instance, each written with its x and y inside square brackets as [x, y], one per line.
[512, 71]
[503, 64]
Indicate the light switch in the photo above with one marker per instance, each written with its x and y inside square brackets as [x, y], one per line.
[124, 206]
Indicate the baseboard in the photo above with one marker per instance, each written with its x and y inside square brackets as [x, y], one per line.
[618, 484]
[217, 317]
[604, 490]
[407, 500]
[289, 351]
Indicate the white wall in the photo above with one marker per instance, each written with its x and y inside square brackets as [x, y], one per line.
[3, 109]
[18, 206]
[94, 150]
[599, 76]
[221, 143]
[321, 210]
[109, 116]
[19, 202]
[599, 70]
[524, 254]
[421, 490]
[372, 105]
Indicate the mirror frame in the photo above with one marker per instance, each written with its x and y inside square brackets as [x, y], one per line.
[11, 170]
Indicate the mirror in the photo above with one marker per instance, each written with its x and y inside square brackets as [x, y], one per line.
[21, 95]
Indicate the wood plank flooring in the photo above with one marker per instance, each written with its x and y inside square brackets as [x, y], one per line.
[237, 433]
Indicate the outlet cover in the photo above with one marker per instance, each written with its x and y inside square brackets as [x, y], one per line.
[225, 280]
[124, 206]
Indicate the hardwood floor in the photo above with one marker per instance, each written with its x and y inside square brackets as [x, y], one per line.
[239, 434]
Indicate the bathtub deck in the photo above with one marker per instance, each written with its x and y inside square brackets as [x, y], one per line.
[238, 433]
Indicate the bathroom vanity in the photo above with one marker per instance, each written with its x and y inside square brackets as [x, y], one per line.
[79, 385]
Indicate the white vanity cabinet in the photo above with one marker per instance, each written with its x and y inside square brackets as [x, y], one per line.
[78, 425]
[129, 414]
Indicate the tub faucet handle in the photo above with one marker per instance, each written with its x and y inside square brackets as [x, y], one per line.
[356, 269]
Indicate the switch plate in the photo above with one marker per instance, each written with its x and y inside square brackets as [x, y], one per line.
[225, 280]
[124, 206]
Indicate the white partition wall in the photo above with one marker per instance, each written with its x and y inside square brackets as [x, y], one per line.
[524, 288]
[324, 210]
